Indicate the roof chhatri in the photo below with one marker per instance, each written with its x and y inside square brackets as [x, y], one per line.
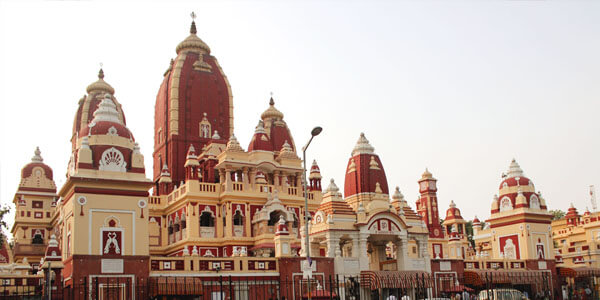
[233, 144]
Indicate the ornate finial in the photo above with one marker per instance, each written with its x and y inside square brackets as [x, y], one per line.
[271, 102]
[37, 157]
[101, 72]
[193, 28]
[362, 146]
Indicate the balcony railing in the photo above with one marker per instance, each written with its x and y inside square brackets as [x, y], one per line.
[214, 190]
[29, 249]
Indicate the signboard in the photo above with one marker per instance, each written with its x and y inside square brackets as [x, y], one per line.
[112, 266]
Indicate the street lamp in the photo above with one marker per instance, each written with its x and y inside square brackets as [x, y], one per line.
[314, 132]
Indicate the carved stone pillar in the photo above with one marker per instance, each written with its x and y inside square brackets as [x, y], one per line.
[333, 245]
[245, 178]
[222, 177]
[252, 178]
[299, 180]
[277, 180]
[401, 255]
[363, 256]
[355, 247]
[285, 181]
[338, 249]
[228, 183]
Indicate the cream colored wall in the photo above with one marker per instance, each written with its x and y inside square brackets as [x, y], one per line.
[86, 230]
[527, 239]
[583, 234]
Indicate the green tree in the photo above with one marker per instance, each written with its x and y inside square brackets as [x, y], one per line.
[469, 230]
[557, 214]
[4, 210]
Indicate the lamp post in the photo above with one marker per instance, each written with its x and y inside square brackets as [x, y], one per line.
[314, 132]
[49, 280]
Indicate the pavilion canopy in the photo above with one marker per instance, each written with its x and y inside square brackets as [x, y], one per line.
[395, 279]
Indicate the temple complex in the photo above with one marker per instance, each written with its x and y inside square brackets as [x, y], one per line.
[214, 207]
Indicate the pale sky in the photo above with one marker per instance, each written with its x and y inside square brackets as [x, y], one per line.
[460, 87]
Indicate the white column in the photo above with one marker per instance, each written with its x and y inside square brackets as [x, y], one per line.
[363, 257]
[338, 249]
[355, 247]
[401, 254]
[332, 243]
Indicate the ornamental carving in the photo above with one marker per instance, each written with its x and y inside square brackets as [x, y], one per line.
[112, 160]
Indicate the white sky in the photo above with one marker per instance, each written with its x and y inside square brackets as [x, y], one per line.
[460, 87]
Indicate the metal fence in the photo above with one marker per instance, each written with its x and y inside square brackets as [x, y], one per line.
[537, 286]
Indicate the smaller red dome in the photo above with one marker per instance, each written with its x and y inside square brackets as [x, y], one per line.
[512, 181]
[453, 212]
[476, 221]
[36, 161]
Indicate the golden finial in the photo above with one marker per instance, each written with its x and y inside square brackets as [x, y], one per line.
[271, 102]
[101, 72]
[193, 28]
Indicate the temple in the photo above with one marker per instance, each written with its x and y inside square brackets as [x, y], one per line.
[214, 207]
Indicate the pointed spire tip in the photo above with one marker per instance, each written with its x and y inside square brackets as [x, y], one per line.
[193, 27]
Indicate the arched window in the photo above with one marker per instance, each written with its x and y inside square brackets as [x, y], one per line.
[534, 202]
[238, 219]
[206, 219]
[505, 204]
[274, 217]
[37, 238]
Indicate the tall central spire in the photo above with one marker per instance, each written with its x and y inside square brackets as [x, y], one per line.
[189, 114]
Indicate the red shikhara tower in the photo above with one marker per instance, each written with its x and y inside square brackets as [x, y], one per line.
[194, 106]
[427, 205]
